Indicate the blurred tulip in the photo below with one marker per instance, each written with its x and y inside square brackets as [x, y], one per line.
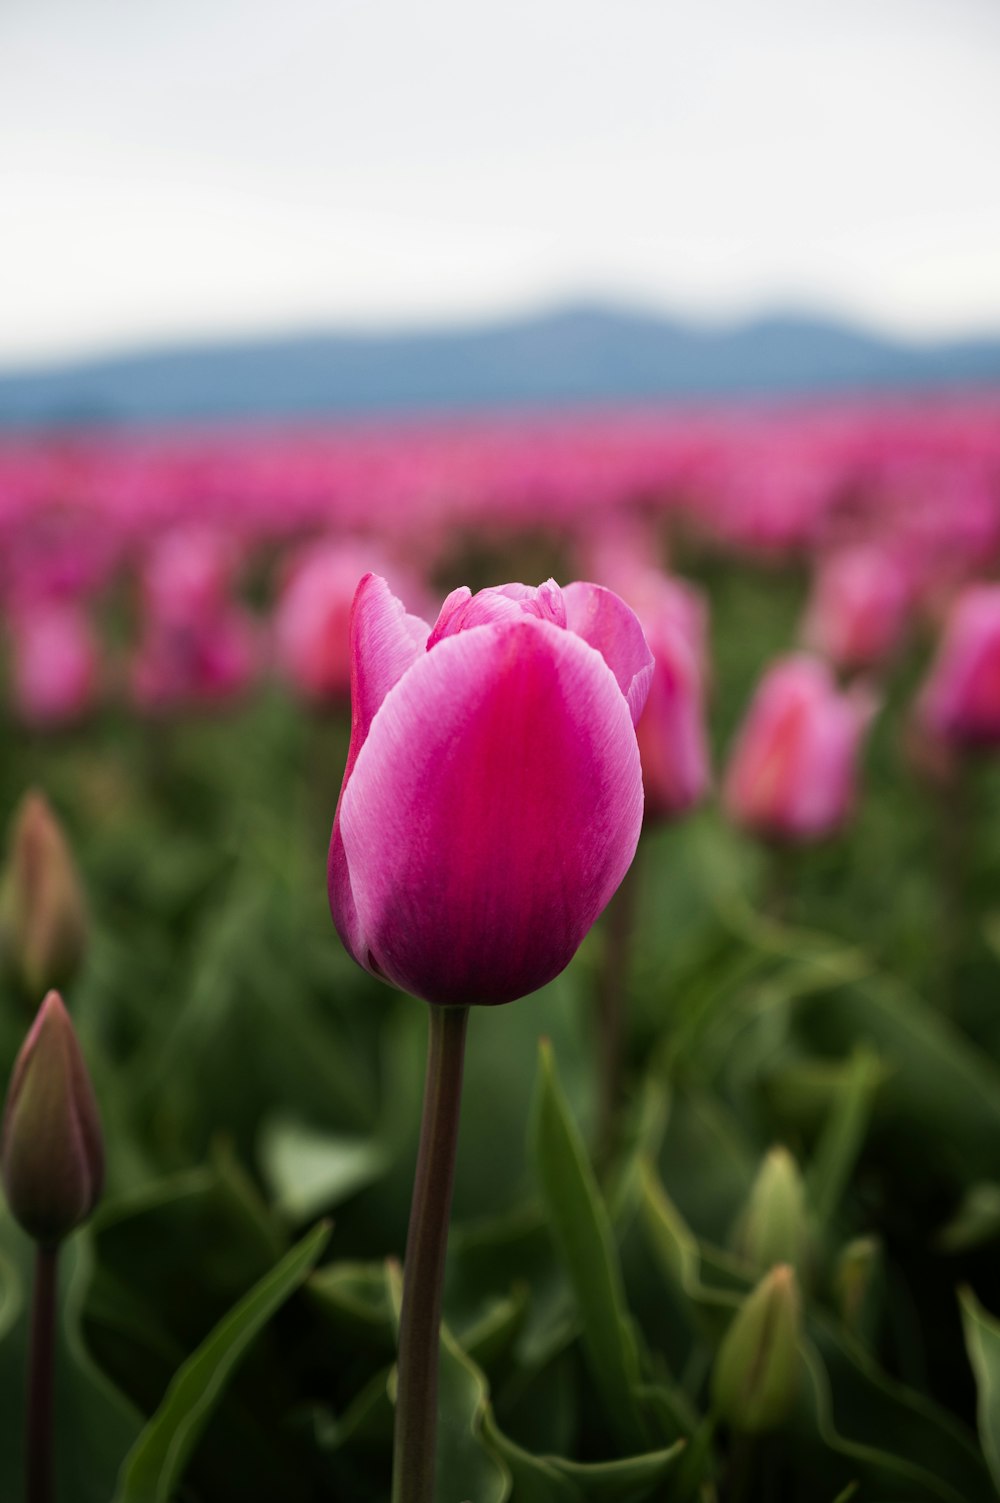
[51, 1150]
[773, 1227]
[178, 667]
[43, 916]
[55, 663]
[858, 611]
[312, 619]
[187, 575]
[757, 1370]
[791, 774]
[671, 731]
[493, 797]
[960, 703]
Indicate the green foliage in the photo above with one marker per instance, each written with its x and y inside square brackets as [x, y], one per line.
[252, 1079]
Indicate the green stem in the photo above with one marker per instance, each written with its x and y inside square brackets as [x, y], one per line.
[423, 1273]
[41, 1365]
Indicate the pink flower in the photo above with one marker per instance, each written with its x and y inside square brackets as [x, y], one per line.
[671, 730]
[792, 770]
[960, 702]
[492, 799]
[858, 611]
[187, 575]
[312, 619]
[55, 667]
[177, 667]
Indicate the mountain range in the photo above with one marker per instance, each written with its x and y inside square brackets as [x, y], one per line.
[583, 354]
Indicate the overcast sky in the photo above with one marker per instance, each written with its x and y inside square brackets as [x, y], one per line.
[177, 168]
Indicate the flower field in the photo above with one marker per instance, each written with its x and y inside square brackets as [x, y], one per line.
[726, 1212]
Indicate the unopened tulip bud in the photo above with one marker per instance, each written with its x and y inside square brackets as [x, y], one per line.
[43, 918]
[51, 1148]
[856, 1273]
[757, 1369]
[773, 1228]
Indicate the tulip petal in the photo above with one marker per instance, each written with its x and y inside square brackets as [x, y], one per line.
[492, 812]
[603, 619]
[385, 642]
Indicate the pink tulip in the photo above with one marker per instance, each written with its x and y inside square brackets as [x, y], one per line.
[312, 619]
[186, 576]
[859, 607]
[671, 732]
[177, 667]
[792, 771]
[55, 668]
[492, 799]
[960, 703]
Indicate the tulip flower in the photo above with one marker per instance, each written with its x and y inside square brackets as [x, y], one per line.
[792, 771]
[671, 731]
[491, 804]
[960, 703]
[312, 637]
[55, 664]
[43, 915]
[858, 611]
[52, 1163]
[493, 797]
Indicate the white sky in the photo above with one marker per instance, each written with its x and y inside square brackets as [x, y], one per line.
[173, 168]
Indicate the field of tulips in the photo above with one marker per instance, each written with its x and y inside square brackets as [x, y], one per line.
[725, 1224]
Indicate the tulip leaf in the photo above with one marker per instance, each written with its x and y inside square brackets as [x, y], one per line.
[96, 1423]
[551, 1479]
[465, 1466]
[582, 1230]
[883, 1426]
[843, 1134]
[975, 1222]
[155, 1464]
[309, 1172]
[982, 1342]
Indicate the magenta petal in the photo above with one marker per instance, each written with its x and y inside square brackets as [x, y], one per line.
[493, 811]
[385, 642]
[603, 619]
[462, 609]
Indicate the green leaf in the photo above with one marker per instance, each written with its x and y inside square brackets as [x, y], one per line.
[582, 1230]
[309, 1172]
[843, 1135]
[465, 1468]
[551, 1479]
[982, 1342]
[155, 1464]
[976, 1221]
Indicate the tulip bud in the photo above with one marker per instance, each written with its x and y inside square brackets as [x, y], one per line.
[51, 1148]
[792, 770]
[43, 920]
[757, 1369]
[855, 1277]
[773, 1227]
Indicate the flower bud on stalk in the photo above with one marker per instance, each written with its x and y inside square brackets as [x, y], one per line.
[51, 1149]
[43, 917]
[757, 1370]
[773, 1228]
[52, 1164]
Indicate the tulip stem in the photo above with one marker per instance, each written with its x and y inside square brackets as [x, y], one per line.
[41, 1366]
[423, 1270]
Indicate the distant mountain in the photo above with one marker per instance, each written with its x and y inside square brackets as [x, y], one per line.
[573, 355]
